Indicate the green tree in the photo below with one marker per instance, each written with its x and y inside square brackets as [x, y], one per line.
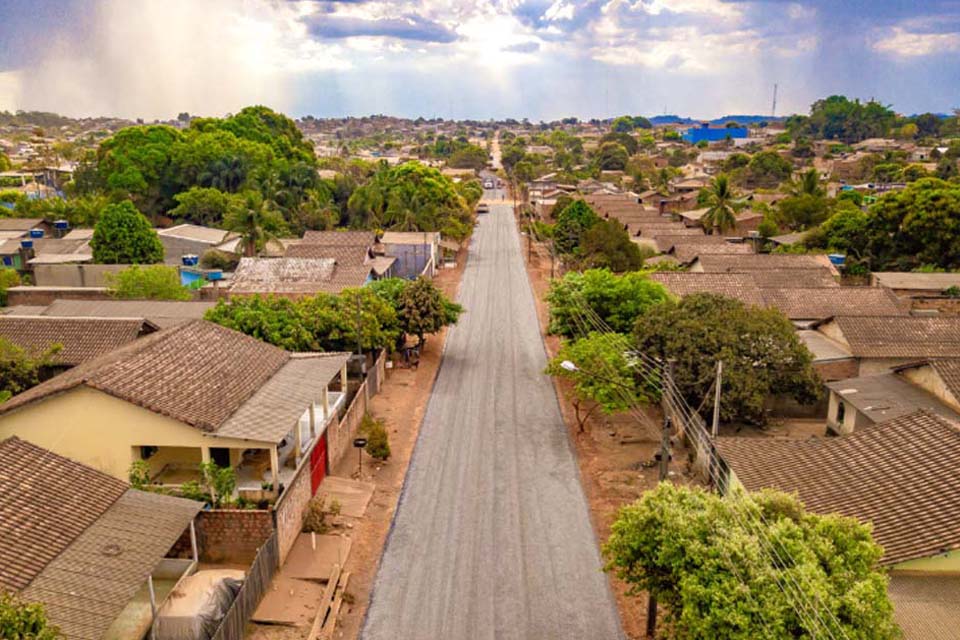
[378, 442]
[423, 309]
[25, 620]
[612, 156]
[579, 300]
[124, 236]
[914, 172]
[151, 282]
[623, 124]
[604, 378]
[887, 172]
[721, 215]
[607, 245]
[767, 169]
[761, 353]
[803, 211]
[8, 278]
[708, 560]
[628, 141]
[257, 220]
[572, 223]
[947, 168]
[135, 163]
[203, 206]
[20, 369]
[808, 185]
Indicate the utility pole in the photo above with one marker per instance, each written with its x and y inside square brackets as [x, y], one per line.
[664, 456]
[716, 399]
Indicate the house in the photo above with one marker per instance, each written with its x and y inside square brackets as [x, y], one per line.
[879, 343]
[686, 252]
[762, 262]
[916, 285]
[23, 227]
[348, 248]
[706, 133]
[902, 476]
[296, 277]
[184, 395]
[22, 254]
[78, 339]
[191, 239]
[85, 545]
[739, 286]
[417, 252]
[162, 313]
[804, 305]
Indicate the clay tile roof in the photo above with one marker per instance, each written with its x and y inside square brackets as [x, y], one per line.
[686, 253]
[792, 278]
[81, 339]
[198, 373]
[901, 337]
[46, 501]
[949, 372]
[764, 262]
[163, 313]
[19, 224]
[739, 286]
[296, 276]
[665, 242]
[340, 238]
[353, 255]
[818, 303]
[903, 476]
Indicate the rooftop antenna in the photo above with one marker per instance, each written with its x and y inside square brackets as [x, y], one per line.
[773, 109]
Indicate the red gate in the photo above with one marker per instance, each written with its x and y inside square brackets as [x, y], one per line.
[318, 463]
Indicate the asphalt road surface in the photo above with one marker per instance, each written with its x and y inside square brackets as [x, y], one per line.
[492, 537]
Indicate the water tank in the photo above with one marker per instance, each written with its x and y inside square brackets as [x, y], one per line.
[61, 225]
[190, 260]
[26, 244]
[36, 233]
[215, 274]
[837, 259]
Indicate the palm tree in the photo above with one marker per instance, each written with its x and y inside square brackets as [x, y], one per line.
[808, 185]
[721, 202]
[256, 221]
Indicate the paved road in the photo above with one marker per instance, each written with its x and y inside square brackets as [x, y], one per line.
[492, 537]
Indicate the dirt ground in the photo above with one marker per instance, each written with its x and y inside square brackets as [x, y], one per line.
[615, 454]
[401, 403]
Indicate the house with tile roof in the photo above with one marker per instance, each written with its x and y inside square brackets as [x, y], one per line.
[192, 393]
[296, 277]
[89, 548]
[76, 339]
[902, 476]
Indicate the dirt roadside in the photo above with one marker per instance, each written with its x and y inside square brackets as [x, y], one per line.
[615, 453]
[401, 403]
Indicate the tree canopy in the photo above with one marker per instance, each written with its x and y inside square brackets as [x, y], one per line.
[839, 118]
[573, 221]
[606, 245]
[151, 282]
[123, 236]
[577, 299]
[21, 620]
[716, 576]
[761, 353]
[20, 369]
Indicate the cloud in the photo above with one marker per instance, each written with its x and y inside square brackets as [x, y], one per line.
[900, 42]
[523, 47]
[405, 28]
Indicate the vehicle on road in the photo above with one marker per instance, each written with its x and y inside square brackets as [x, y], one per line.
[488, 184]
[483, 207]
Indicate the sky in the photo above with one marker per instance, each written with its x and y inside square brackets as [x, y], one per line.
[539, 59]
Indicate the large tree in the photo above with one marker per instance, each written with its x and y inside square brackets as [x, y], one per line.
[422, 309]
[607, 245]
[750, 566]
[761, 354]
[573, 221]
[597, 298]
[123, 236]
[721, 215]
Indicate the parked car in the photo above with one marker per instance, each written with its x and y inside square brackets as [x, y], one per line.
[483, 207]
[488, 184]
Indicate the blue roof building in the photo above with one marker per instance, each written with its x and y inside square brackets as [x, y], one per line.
[704, 132]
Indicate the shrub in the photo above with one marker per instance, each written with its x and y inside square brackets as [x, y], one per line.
[139, 474]
[216, 259]
[151, 282]
[26, 620]
[314, 516]
[8, 278]
[378, 445]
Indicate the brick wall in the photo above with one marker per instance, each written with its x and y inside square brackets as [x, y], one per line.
[227, 535]
[340, 435]
[289, 510]
[42, 296]
[946, 306]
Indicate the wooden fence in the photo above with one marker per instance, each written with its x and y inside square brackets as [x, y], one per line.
[258, 579]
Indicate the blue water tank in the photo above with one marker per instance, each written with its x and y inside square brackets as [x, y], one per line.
[190, 260]
[215, 274]
[837, 259]
[26, 244]
[62, 225]
[7, 261]
[36, 233]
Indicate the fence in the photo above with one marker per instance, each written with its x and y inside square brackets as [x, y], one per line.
[690, 426]
[264, 566]
[377, 374]
[340, 436]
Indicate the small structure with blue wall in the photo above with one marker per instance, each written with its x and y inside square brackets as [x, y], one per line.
[705, 132]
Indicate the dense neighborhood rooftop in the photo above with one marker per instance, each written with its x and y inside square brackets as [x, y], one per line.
[79, 339]
[901, 337]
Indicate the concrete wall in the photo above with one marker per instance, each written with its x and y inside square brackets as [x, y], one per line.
[928, 379]
[290, 509]
[942, 563]
[340, 435]
[43, 296]
[946, 306]
[75, 275]
[102, 431]
[878, 366]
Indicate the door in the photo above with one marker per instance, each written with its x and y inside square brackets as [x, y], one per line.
[318, 463]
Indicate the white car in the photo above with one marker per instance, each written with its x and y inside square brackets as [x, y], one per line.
[488, 184]
[483, 207]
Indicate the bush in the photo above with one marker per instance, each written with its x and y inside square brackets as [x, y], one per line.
[8, 278]
[139, 474]
[24, 620]
[378, 445]
[152, 282]
[314, 516]
[216, 259]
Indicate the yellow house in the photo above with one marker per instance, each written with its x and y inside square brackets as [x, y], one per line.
[902, 476]
[188, 394]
